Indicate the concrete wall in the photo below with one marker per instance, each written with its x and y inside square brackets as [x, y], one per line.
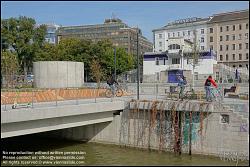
[132, 128]
[58, 74]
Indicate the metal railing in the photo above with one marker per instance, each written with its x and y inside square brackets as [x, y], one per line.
[90, 93]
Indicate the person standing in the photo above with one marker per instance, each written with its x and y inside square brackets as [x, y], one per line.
[207, 85]
[181, 83]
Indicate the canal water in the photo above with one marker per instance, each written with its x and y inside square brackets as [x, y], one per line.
[105, 154]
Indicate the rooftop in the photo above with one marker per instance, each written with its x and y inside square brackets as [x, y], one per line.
[228, 16]
[184, 23]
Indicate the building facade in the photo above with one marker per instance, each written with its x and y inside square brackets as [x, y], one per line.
[228, 36]
[192, 29]
[177, 59]
[51, 33]
[119, 33]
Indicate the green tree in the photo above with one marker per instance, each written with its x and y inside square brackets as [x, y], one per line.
[24, 37]
[9, 66]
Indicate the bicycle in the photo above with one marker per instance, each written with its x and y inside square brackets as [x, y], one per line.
[216, 94]
[187, 94]
[118, 91]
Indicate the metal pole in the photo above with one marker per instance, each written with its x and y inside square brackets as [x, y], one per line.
[56, 94]
[138, 66]
[190, 133]
[179, 137]
[95, 94]
[115, 62]
[32, 98]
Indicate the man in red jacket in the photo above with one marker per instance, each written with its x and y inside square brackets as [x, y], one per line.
[207, 85]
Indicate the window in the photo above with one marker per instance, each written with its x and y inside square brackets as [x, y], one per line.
[227, 37]
[227, 28]
[240, 56]
[196, 75]
[239, 36]
[164, 61]
[221, 57]
[233, 56]
[224, 119]
[233, 37]
[226, 56]
[227, 47]
[202, 31]
[240, 46]
[160, 35]
[157, 76]
[183, 33]
[211, 30]
[173, 34]
[246, 56]
[246, 45]
[188, 32]
[178, 34]
[202, 48]
[240, 65]
[239, 26]
[202, 39]
[221, 47]
[247, 66]
[211, 47]
[217, 75]
[221, 38]
[233, 27]
[157, 61]
[211, 39]
[247, 26]
[174, 46]
[160, 44]
[175, 60]
[246, 35]
[233, 46]
[168, 35]
[221, 29]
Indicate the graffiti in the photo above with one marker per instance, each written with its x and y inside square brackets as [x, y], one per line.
[153, 126]
[244, 128]
[195, 128]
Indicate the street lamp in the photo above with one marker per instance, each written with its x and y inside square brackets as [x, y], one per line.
[138, 66]
[115, 62]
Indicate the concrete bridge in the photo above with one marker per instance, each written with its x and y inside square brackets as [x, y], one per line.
[49, 116]
[46, 117]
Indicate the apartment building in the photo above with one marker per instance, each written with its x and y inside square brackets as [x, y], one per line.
[120, 34]
[192, 29]
[228, 36]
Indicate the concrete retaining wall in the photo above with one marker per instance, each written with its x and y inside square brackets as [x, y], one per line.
[58, 74]
[209, 135]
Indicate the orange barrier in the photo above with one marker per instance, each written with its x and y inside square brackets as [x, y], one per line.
[50, 95]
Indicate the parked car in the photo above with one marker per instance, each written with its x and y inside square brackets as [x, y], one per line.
[30, 78]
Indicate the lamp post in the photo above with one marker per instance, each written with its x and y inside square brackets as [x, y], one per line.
[138, 65]
[115, 62]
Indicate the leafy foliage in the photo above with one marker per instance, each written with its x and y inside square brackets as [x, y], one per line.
[22, 36]
[27, 42]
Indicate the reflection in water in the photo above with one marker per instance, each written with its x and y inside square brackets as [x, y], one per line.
[102, 154]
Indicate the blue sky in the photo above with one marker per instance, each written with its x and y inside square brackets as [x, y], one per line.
[147, 15]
